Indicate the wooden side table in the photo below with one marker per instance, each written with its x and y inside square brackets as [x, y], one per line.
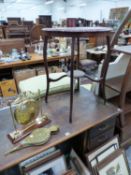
[74, 33]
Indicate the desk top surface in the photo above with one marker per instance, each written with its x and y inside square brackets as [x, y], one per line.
[123, 49]
[88, 111]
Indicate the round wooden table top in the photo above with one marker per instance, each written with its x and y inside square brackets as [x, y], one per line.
[75, 31]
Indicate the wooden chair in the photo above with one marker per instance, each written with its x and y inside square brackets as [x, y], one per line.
[118, 80]
[101, 78]
[35, 33]
[122, 85]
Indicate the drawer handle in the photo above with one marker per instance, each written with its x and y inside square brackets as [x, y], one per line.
[104, 127]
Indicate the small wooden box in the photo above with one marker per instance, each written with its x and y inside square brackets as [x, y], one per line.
[8, 88]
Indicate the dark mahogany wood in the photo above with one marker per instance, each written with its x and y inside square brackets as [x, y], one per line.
[88, 112]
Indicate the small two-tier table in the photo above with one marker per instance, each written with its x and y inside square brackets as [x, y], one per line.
[74, 33]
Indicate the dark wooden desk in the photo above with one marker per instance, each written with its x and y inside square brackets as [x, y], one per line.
[88, 112]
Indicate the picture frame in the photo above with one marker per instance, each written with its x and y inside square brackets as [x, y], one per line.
[115, 164]
[77, 164]
[96, 156]
[38, 159]
[53, 167]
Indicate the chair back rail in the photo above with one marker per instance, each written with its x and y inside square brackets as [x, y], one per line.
[35, 33]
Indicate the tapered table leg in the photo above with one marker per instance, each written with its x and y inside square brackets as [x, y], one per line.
[71, 78]
[77, 61]
[46, 67]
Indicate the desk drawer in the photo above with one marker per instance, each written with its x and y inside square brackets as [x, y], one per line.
[100, 139]
[101, 128]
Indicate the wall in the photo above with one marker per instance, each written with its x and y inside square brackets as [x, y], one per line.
[94, 9]
[27, 9]
[30, 9]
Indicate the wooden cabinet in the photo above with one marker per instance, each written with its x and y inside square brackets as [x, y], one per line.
[101, 128]
[100, 134]
[94, 137]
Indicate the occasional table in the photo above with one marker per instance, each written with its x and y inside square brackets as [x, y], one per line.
[74, 33]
